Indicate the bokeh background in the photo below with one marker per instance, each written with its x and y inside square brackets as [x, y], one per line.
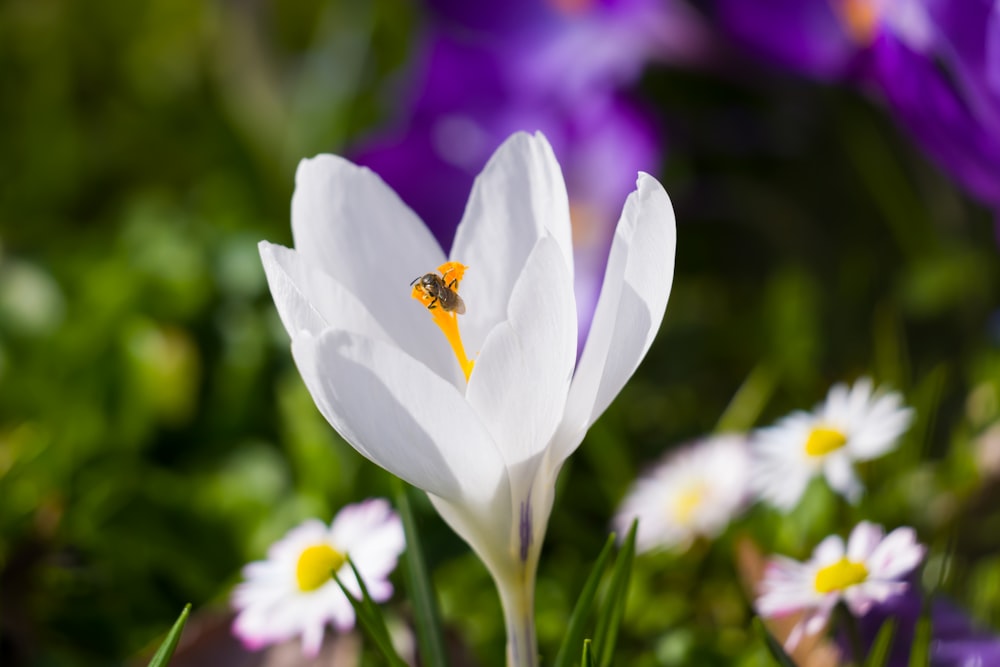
[155, 435]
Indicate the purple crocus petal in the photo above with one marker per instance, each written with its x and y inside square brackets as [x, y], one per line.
[566, 49]
[603, 47]
[933, 108]
[805, 36]
[967, 40]
[993, 50]
[955, 642]
[967, 652]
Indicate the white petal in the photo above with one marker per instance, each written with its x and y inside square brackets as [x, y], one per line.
[349, 224]
[308, 300]
[841, 477]
[897, 555]
[633, 298]
[519, 196]
[863, 540]
[372, 534]
[829, 551]
[519, 384]
[399, 414]
[312, 637]
[485, 528]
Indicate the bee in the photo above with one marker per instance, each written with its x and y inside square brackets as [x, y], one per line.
[442, 294]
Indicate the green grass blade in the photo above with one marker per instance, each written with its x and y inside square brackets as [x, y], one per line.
[610, 617]
[370, 618]
[577, 620]
[749, 401]
[920, 650]
[879, 654]
[776, 650]
[426, 617]
[166, 650]
[587, 660]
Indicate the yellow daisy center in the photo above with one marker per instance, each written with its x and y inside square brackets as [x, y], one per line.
[687, 502]
[823, 440]
[859, 18]
[316, 566]
[438, 293]
[842, 574]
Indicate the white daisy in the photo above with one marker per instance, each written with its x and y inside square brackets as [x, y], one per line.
[853, 424]
[870, 570]
[292, 592]
[693, 492]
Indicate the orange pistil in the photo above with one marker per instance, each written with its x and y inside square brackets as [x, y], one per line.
[447, 320]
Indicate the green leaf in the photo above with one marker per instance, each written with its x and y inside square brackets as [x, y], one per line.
[430, 641]
[613, 609]
[879, 654]
[370, 617]
[920, 650]
[587, 660]
[166, 650]
[749, 401]
[773, 646]
[574, 631]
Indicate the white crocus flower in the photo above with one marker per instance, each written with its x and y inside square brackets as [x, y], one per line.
[853, 424]
[486, 444]
[870, 569]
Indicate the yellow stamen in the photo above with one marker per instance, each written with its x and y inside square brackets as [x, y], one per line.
[859, 17]
[687, 502]
[822, 441]
[840, 575]
[316, 566]
[447, 321]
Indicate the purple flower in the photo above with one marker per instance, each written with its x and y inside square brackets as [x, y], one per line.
[806, 36]
[937, 63]
[565, 49]
[955, 640]
[943, 87]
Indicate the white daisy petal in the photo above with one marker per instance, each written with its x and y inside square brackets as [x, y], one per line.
[281, 597]
[830, 550]
[840, 476]
[863, 540]
[897, 554]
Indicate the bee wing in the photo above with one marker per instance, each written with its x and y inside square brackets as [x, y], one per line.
[459, 304]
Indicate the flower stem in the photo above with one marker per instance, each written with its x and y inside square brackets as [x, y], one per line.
[517, 594]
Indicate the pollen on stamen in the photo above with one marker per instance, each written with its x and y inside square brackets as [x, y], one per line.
[440, 295]
[859, 18]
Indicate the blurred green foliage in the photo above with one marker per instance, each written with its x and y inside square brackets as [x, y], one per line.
[155, 436]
